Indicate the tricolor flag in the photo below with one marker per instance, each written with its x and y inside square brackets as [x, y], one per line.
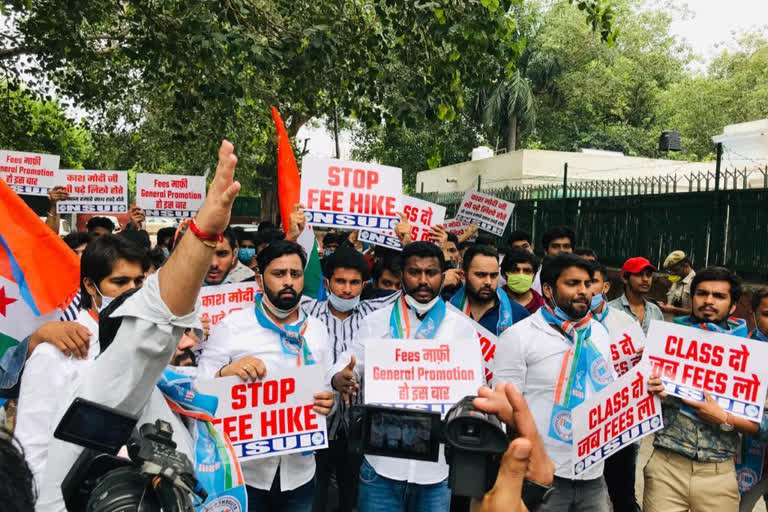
[39, 274]
[288, 191]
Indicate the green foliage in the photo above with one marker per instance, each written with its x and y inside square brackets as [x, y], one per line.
[416, 149]
[733, 90]
[30, 124]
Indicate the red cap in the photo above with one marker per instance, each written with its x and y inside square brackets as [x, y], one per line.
[636, 265]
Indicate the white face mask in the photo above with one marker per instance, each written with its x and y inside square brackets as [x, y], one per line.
[105, 301]
[420, 308]
[279, 313]
[342, 305]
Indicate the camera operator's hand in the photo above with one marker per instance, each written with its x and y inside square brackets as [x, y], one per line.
[323, 402]
[345, 381]
[247, 368]
[71, 338]
[506, 402]
[506, 494]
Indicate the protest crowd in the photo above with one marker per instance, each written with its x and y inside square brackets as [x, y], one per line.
[267, 352]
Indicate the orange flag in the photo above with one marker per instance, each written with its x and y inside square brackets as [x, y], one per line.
[288, 181]
[35, 258]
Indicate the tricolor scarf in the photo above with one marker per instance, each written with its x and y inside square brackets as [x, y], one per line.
[400, 325]
[757, 335]
[734, 326]
[216, 465]
[459, 300]
[582, 363]
[291, 336]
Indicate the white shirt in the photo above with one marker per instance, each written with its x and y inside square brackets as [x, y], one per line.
[47, 373]
[537, 281]
[124, 377]
[530, 354]
[240, 335]
[376, 327]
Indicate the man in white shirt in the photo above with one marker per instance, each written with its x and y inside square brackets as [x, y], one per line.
[395, 484]
[539, 356]
[274, 336]
[619, 467]
[152, 321]
[560, 239]
[109, 267]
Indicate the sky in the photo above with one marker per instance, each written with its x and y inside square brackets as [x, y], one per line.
[711, 23]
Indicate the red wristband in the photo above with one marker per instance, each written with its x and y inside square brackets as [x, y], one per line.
[205, 236]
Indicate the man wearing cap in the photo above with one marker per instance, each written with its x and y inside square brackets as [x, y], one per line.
[681, 275]
[637, 274]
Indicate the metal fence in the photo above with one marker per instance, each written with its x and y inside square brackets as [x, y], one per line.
[714, 221]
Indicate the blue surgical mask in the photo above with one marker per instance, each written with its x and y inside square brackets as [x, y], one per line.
[343, 305]
[327, 253]
[597, 299]
[246, 254]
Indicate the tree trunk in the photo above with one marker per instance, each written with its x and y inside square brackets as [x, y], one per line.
[512, 134]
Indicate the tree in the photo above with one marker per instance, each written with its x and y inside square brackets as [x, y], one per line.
[30, 124]
[733, 90]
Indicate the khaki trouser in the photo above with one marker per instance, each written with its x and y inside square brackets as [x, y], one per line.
[674, 483]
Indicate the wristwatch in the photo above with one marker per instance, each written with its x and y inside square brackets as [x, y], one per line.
[727, 426]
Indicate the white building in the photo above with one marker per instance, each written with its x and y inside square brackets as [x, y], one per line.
[541, 167]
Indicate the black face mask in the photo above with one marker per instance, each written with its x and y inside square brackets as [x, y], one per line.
[382, 292]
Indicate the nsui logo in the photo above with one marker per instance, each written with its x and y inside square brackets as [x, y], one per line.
[223, 504]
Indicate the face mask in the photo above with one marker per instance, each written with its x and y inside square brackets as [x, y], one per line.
[673, 278]
[246, 254]
[343, 305]
[279, 313]
[420, 308]
[166, 252]
[328, 253]
[559, 313]
[597, 300]
[451, 264]
[104, 300]
[383, 292]
[519, 283]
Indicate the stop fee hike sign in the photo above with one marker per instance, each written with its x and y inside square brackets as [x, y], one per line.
[730, 368]
[270, 417]
[347, 194]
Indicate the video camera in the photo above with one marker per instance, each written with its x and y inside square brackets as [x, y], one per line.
[157, 476]
[474, 440]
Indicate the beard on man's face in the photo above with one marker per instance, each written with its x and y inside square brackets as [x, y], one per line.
[575, 307]
[483, 294]
[422, 293]
[286, 298]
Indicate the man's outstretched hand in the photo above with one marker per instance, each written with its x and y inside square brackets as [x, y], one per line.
[213, 217]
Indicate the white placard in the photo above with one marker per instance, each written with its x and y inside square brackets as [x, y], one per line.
[351, 195]
[218, 302]
[29, 173]
[270, 417]
[420, 214]
[690, 361]
[429, 374]
[625, 344]
[169, 195]
[94, 192]
[620, 414]
[487, 212]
